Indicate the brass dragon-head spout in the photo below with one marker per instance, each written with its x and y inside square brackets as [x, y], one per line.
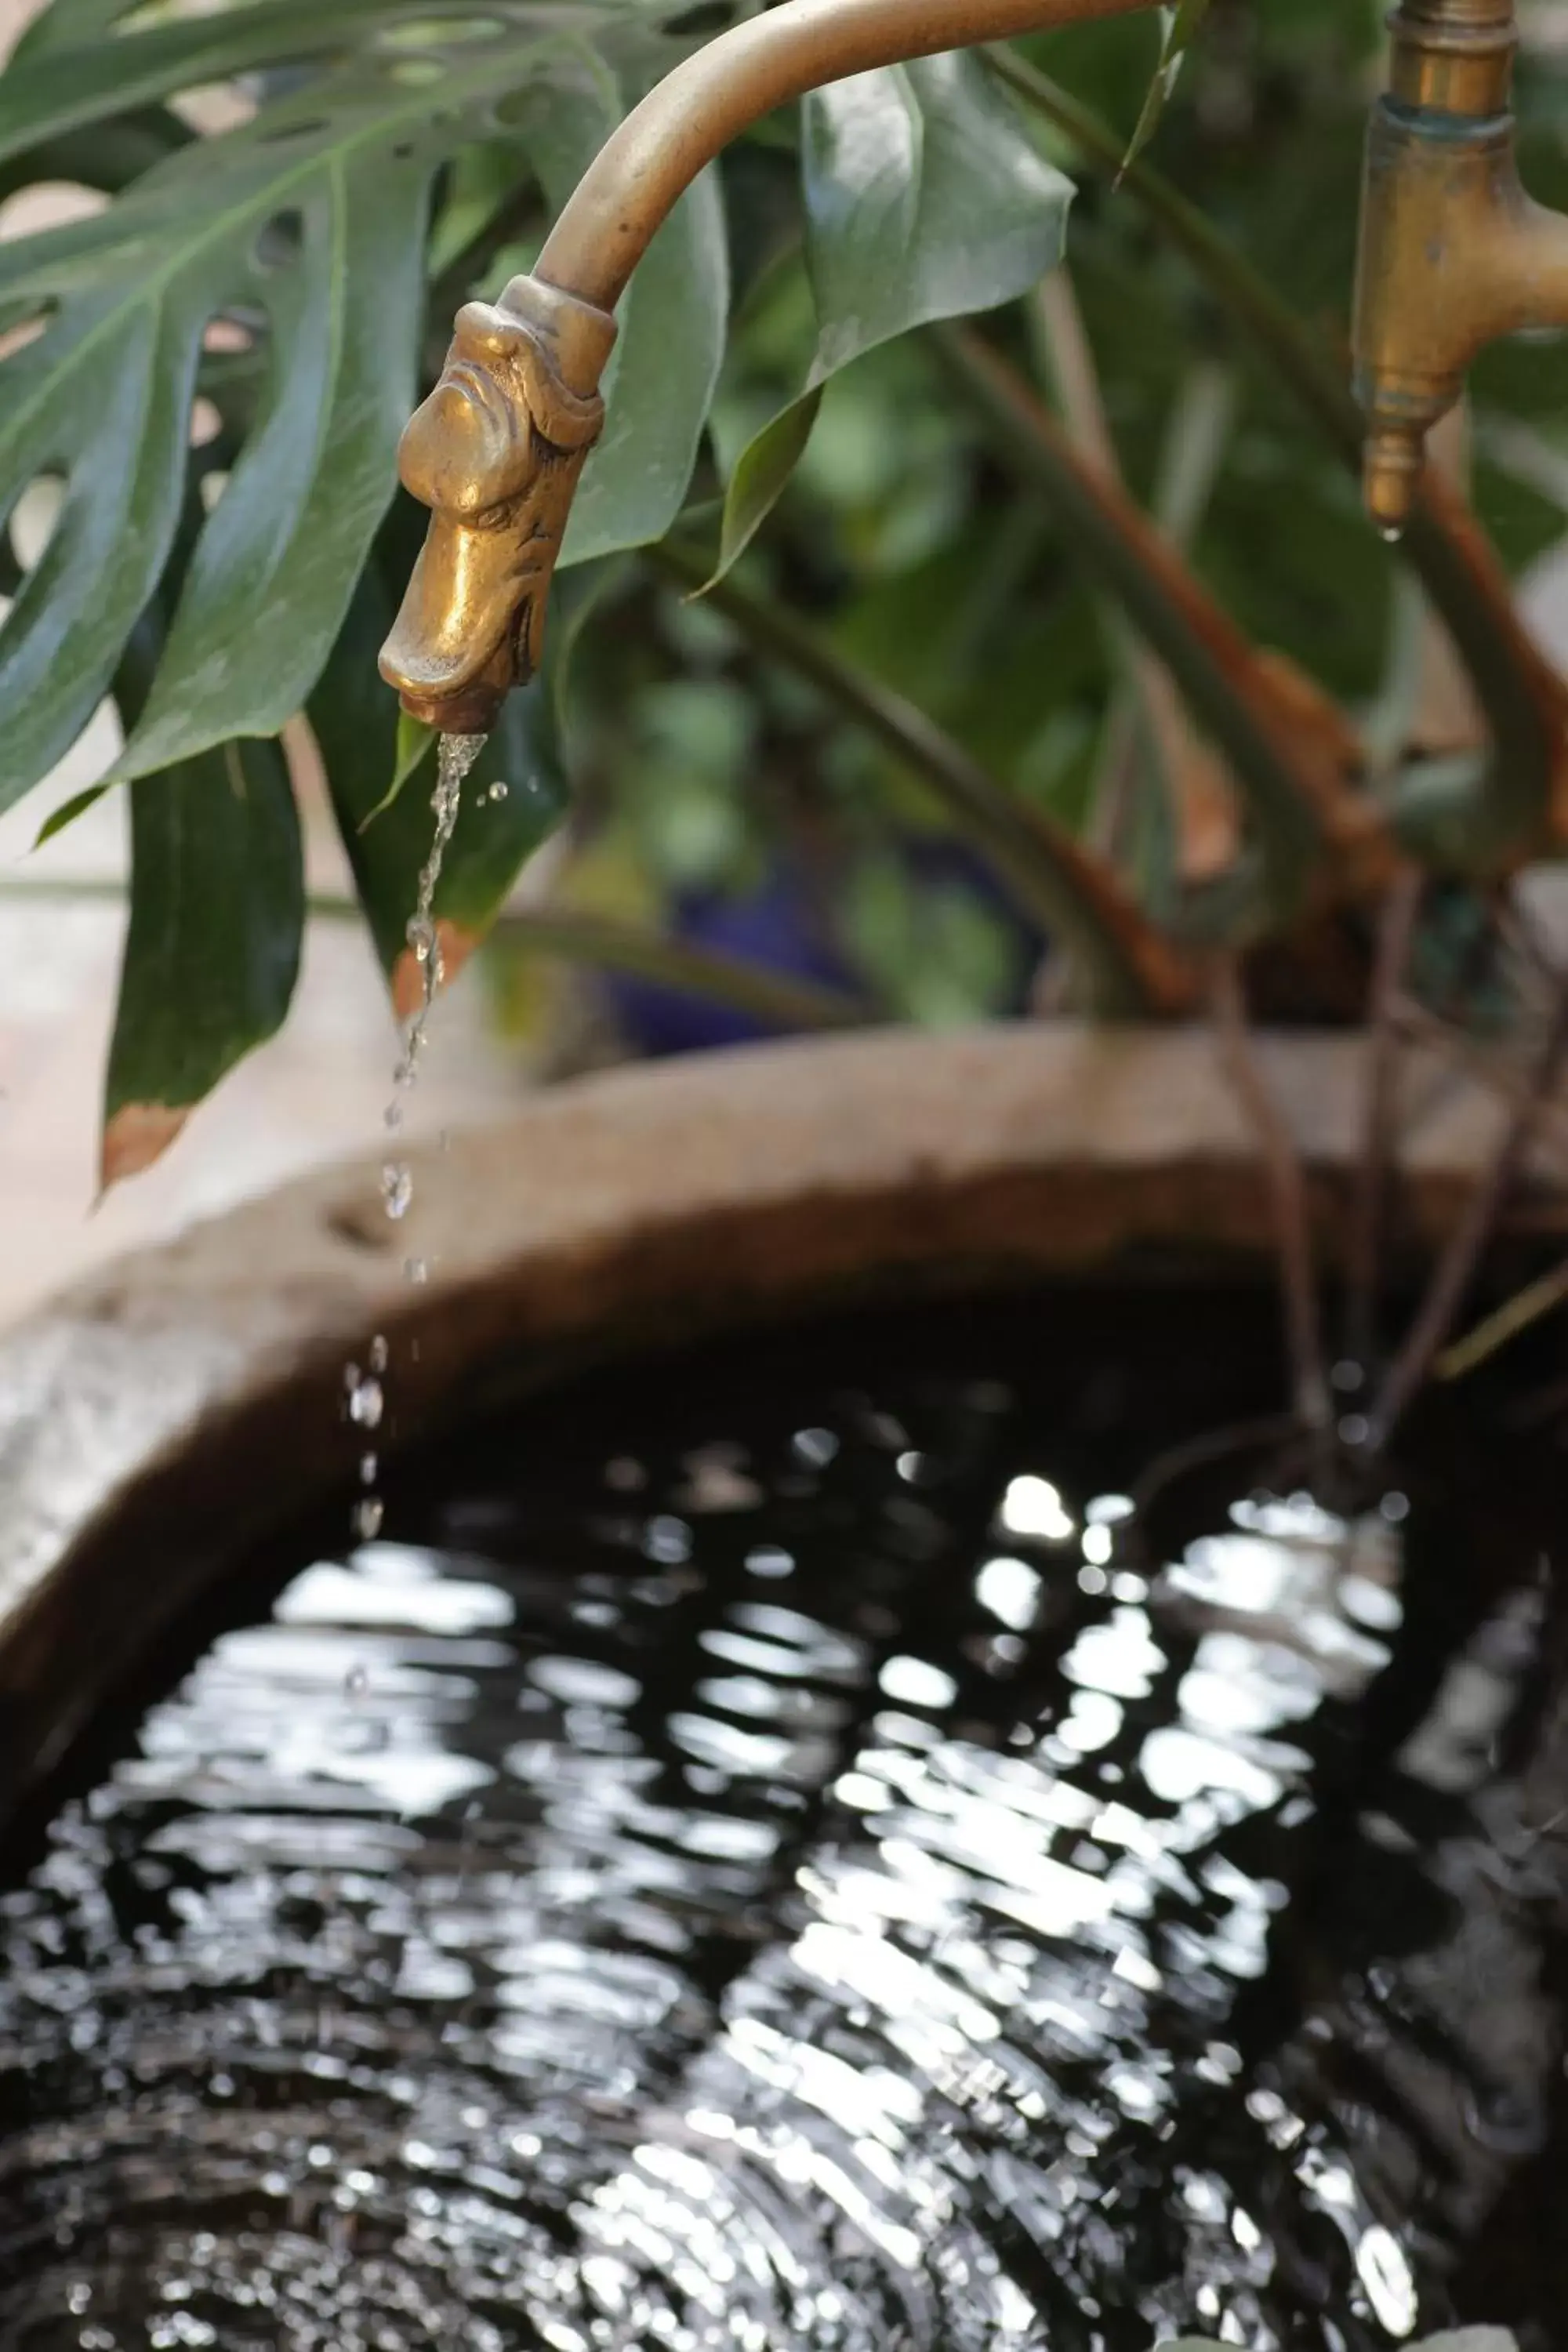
[495, 452]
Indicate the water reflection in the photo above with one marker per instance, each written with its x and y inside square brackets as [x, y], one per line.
[809, 1890]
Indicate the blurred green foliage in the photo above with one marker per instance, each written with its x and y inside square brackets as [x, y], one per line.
[916, 551]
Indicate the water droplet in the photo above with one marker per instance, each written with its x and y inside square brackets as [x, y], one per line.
[1391, 534]
[366, 1404]
[368, 1516]
[498, 792]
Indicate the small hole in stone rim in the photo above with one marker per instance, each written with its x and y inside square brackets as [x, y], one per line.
[362, 1225]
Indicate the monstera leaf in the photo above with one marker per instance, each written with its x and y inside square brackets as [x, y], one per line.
[284, 268]
[924, 201]
[303, 231]
[217, 912]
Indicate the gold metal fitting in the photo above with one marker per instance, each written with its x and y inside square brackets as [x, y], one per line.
[1453, 56]
[1454, 255]
[495, 452]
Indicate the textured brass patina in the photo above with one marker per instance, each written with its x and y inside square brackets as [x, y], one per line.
[1454, 255]
[496, 453]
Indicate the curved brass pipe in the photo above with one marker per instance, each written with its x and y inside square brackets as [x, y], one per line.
[498, 450]
[647, 164]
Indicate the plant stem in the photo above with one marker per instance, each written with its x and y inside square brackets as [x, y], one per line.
[1290, 760]
[1145, 688]
[1457, 1267]
[1288, 1186]
[1047, 871]
[1413, 1019]
[1396, 929]
[771, 997]
[781, 1001]
[1538, 1298]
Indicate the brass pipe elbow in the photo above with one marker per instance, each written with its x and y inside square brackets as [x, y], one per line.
[1454, 255]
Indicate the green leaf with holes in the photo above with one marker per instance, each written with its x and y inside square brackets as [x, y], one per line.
[212, 954]
[304, 230]
[925, 199]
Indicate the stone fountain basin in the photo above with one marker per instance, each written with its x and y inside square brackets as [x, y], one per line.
[163, 1416]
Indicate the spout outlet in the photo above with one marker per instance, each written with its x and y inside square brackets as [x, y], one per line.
[1391, 481]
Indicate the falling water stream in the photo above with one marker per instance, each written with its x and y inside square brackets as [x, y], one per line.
[770, 1861]
[363, 1389]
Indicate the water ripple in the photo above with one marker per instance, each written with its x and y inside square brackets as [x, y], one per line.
[856, 1909]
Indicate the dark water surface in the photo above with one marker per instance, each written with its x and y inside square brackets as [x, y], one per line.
[760, 1860]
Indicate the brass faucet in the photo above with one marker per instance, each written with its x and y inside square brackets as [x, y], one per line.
[1454, 255]
[498, 449]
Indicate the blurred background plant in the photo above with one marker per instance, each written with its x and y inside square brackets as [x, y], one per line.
[1048, 657]
[941, 549]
